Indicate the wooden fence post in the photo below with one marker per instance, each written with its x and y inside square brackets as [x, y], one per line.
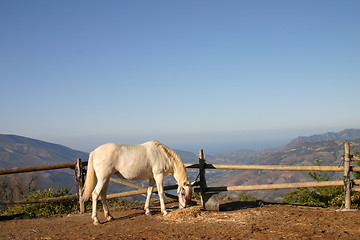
[347, 187]
[79, 172]
[202, 175]
[209, 201]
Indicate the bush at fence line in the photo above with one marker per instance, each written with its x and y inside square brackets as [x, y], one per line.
[196, 195]
[120, 202]
[13, 187]
[303, 196]
[323, 196]
[356, 175]
[246, 197]
[43, 209]
[355, 199]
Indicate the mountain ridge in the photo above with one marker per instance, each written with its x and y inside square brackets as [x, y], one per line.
[344, 135]
[21, 152]
[326, 153]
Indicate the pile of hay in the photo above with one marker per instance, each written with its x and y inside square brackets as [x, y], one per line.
[184, 214]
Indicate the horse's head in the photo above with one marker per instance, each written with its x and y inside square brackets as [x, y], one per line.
[184, 193]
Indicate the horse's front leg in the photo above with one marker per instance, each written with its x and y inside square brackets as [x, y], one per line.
[148, 196]
[160, 187]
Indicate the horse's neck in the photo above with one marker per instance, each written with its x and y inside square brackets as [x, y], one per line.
[180, 174]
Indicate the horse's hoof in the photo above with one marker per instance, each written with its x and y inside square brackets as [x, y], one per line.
[96, 223]
[148, 213]
[165, 213]
[109, 218]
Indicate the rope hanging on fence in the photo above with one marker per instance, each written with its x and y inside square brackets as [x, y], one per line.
[197, 177]
[347, 180]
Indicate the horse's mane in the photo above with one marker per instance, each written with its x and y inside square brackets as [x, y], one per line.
[171, 154]
[174, 158]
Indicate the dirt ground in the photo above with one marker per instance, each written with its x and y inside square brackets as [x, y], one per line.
[236, 220]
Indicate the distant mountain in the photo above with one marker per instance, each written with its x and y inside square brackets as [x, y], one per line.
[345, 135]
[17, 151]
[246, 156]
[308, 151]
[327, 153]
[20, 152]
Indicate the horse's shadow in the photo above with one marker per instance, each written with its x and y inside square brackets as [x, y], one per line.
[12, 217]
[130, 216]
[238, 205]
[115, 219]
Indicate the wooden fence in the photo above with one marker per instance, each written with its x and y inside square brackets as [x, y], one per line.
[35, 169]
[347, 182]
[203, 188]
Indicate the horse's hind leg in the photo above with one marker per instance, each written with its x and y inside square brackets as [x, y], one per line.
[104, 201]
[148, 196]
[95, 194]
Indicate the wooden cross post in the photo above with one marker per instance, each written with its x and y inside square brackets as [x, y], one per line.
[79, 172]
[209, 201]
[347, 187]
[202, 176]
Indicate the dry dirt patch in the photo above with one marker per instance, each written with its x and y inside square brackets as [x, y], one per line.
[241, 222]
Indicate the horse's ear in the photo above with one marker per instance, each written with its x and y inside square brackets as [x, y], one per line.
[192, 183]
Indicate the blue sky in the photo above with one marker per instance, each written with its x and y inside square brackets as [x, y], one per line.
[221, 75]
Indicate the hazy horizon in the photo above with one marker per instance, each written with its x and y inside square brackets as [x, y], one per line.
[215, 142]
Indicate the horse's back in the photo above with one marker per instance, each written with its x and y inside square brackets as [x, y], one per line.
[107, 151]
[115, 152]
[127, 161]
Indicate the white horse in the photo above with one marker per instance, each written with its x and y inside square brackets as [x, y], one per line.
[151, 160]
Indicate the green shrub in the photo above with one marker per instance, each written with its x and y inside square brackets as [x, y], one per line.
[196, 195]
[34, 210]
[330, 197]
[357, 174]
[319, 196]
[119, 202]
[304, 196]
[246, 197]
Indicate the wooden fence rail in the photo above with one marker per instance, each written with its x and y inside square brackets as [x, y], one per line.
[38, 168]
[273, 167]
[276, 186]
[46, 200]
[203, 188]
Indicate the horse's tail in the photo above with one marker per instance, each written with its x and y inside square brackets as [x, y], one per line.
[90, 181]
